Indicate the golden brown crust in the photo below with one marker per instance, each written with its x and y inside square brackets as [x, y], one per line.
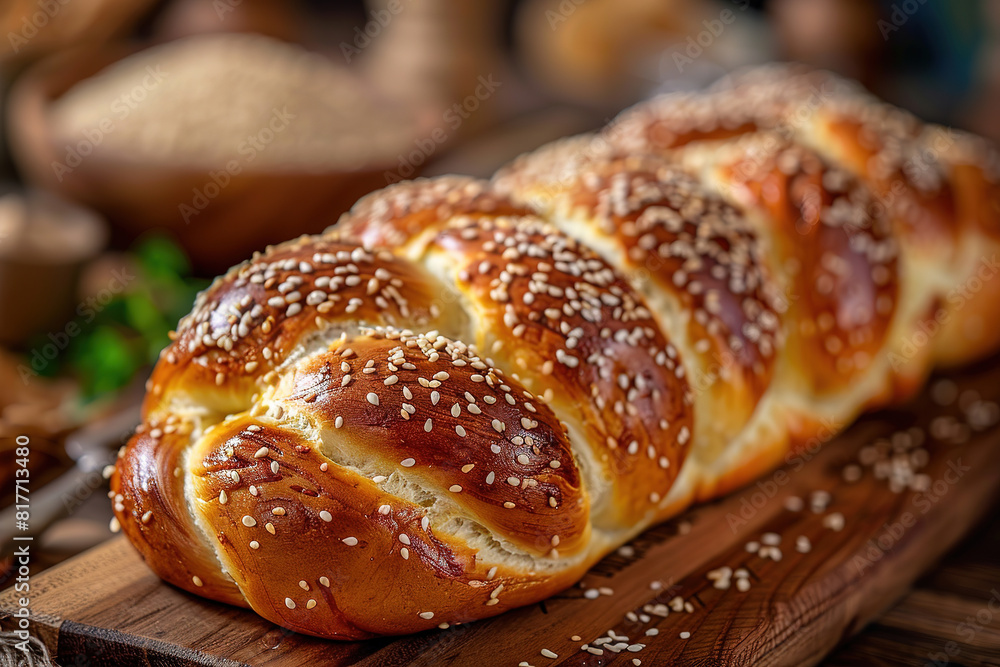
[393, 216]
[581, 336]
[316, 547]
[837, 247]
[669, 308]
[448, 420]
[150, 505]
[683, 246]
[246, 323]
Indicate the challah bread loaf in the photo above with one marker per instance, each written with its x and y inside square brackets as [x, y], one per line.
[464, 394]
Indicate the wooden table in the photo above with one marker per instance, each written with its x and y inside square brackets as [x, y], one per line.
[867, 547]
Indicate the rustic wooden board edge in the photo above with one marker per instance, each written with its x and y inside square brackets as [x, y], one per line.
[102, 646]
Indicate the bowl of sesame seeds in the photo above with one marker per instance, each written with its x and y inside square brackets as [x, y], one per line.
[230, 142]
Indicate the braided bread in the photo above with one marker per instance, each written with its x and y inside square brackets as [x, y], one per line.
[464, 394]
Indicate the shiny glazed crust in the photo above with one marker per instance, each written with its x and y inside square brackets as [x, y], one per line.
[464, 394]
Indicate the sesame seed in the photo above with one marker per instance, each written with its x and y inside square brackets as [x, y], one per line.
[324, 582]
[405, 553]
[146, 516]
[490, 477]
[196, 580]
[468, 466]
[455, 488]
[270, 527]
[278, 511]
[350, 541]
[391, 380]
[372, 398]
[460, 431]
[523, 459]
[685, 635]
[326, 516]
[274, 467]
[310, 603]
[407, 463]
[261, 453]
[834, 521]
[223, 497]
[249, 521]
[290, 603]
[794, 504]
[384, 509]
[426, 615]
[428, 425]
[338, 422]
[254, 544]
[549, 654]
[509, 505]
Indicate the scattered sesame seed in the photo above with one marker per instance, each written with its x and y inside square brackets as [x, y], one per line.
[350, 541]
[249, 521]
[197, 581]
[290, 603]
[372, 398]
[834, 521]
[407, 463]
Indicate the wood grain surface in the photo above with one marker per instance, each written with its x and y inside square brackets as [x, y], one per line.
[878, 506]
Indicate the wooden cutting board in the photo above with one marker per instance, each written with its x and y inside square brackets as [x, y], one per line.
[867, 544]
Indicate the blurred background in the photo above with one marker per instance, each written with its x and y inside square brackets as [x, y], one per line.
[147, 145]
